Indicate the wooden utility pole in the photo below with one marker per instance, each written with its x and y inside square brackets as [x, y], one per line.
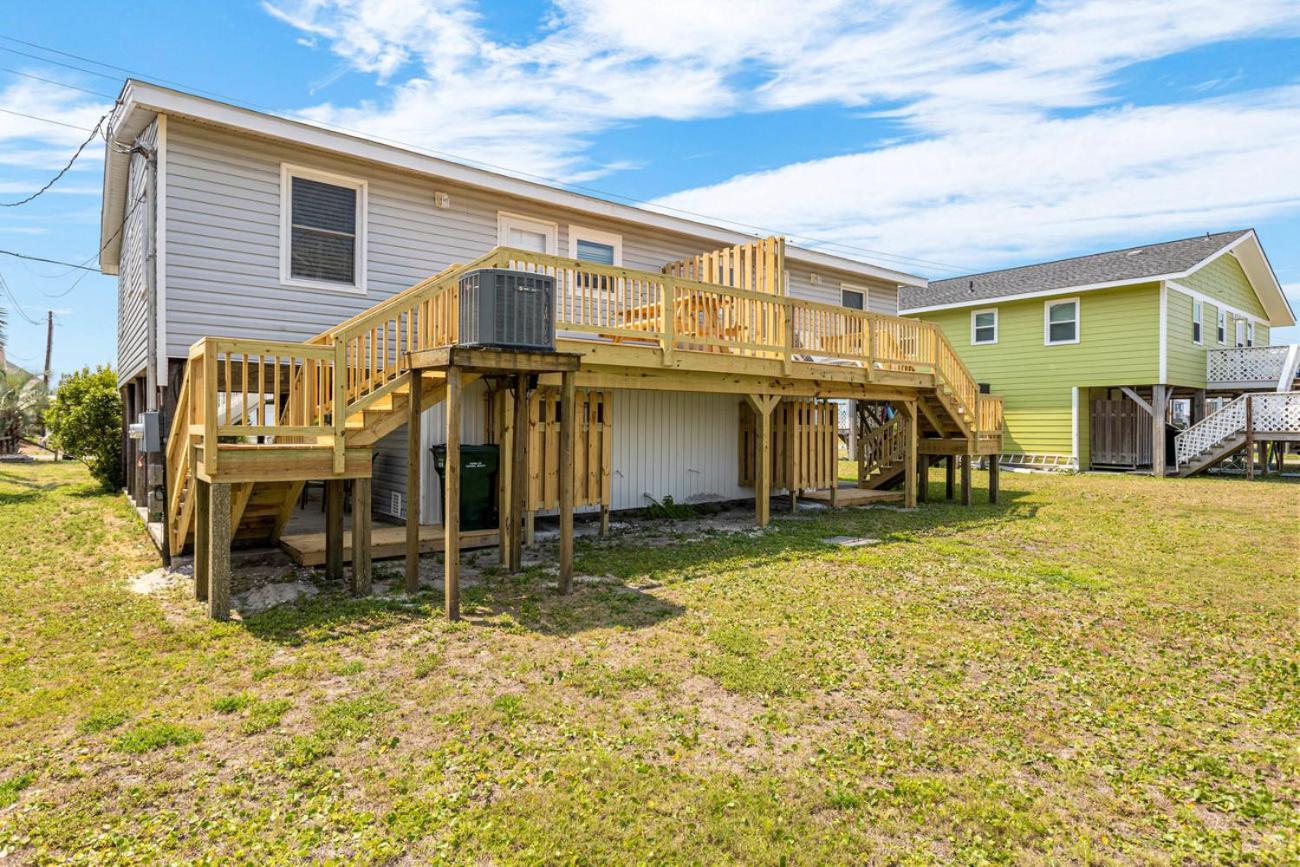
[49, 346]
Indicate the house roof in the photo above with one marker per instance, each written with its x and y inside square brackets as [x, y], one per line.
[1170, 260]
[141, 101]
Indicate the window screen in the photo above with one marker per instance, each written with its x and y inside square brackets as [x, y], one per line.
[851, 298]
[323, 232]
[1062, 322]
[591, 251]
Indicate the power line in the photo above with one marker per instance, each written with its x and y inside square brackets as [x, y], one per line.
[63, 171]
[45, 119]
[54, 82]
[47, 261]
[4, 287]
[85, 265]
[897, 257]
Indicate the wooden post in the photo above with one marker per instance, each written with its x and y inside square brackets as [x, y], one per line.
[362, 573]
[1158, 403]
[763, 406]
[519, 472]
[202, 494]
[334, 529]
[451, 498]
[994, 480]
[568, 398]
[949, 476]
[219, 552]
[909, 465]
[604, 520]
[505, 455]
[413, 484]
[1250, 438]
[965, 480]
[923, 478]
[860, 441]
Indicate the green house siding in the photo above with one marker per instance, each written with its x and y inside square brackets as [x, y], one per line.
[1186, 359]
[1224, 280]
[1119, 335]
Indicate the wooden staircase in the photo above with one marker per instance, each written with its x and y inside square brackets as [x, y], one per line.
[1220, 435]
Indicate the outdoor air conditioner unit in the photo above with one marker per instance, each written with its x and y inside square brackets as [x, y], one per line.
[507, 309]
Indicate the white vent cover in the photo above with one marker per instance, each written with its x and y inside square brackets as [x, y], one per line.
[395, 508]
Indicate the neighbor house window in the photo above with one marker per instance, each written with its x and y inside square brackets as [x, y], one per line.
[854, 299]
[525, 233]
[323, 231]
[984, 327]
[1223, 326]
[1197, 312]
[1061, 322]
[1250, 333]
[593, 245]
[1241, 333]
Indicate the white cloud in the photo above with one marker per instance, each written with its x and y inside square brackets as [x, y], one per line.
[987, 169]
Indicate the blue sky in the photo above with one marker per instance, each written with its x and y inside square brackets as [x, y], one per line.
[933, 136]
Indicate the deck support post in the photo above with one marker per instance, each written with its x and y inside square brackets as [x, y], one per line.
[1159, 402]
[414, 487]
[1250, 438]
[949, 476]
[519, 472]
[910, 460]
[965, 480]
[451, 497]
[763, 404]
[202, 494]
[994, 480]
[362, 571]
[505, 466]
[568, 412]
[219, 551]
[923, 478]
[604, 520]
[334, 529]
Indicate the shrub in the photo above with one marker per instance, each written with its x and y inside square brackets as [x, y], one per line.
[22, 401]
[85, 420]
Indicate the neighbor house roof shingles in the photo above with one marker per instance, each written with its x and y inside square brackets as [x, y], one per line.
[1117, 266]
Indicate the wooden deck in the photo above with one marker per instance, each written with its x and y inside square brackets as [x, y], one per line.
[849, 494]
[386, 543]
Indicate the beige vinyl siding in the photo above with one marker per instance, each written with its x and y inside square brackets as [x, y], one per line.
[132, 281]
[881, 297]
[223, 225]
[1118, 345]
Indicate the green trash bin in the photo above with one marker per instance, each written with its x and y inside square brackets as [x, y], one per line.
[478, 484]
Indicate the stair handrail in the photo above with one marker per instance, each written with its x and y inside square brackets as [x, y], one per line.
[883, 445]
[1229, 419]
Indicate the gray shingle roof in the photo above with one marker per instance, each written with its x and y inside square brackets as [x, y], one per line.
[1130, 264]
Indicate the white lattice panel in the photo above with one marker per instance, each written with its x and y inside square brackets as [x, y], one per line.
[1210, 431]
[1276, 413]
[1252, 364]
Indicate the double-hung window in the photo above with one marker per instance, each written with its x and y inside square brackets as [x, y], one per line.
[1198, 311]
[323, 230]
[593, 245]
[1241, 333]
[1223, 326]
[983, 327]
[1061, 322]
[525, 233]
[1250, 333]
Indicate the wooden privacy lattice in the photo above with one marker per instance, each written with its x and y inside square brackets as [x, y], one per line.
[805, 444]
[591, 453]
[1120, 433]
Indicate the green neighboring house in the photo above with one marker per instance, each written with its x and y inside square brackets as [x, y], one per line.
[1094, 355]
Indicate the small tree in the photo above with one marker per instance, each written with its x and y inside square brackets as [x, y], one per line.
[22, 403]
[85, 420]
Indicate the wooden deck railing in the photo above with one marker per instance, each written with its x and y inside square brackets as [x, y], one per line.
[289, 392]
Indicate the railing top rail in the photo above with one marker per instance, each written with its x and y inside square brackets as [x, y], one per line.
[254, 346]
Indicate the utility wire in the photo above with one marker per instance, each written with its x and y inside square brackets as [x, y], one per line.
[4, 287]
[54, 82]
[63, 171]
[17, 255]
[85, 265]
[809, 239]
[44, 119]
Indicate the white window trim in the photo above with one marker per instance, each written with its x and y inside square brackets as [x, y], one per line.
[1047, 321]
[996, 334]
[506, 220]
[1239, 334]
[1198, 322]
[288, 172]
[861, 290]
[1221, 327]
[577, 233]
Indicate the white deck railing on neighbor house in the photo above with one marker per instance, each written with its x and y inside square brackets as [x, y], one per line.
[1270, 413]
[1261, 365]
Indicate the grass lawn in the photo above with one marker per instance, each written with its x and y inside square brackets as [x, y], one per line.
[1098, 669]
